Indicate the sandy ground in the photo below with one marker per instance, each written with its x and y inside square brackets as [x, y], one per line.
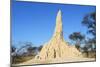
[69, 60]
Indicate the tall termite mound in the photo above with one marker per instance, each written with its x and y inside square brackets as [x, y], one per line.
[57, 47]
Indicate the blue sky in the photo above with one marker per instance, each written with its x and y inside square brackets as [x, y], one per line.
[35, 22]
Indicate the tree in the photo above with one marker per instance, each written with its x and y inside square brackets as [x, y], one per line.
[39, 48]
[23, 47]
[13, 49]
[90, 44]
[27, 49]
[24, 53]
[85, 50]
[77, 37]
[32, 50]
[13, 53]
[89, 21]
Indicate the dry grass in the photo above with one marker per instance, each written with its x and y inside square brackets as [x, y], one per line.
[20, 59]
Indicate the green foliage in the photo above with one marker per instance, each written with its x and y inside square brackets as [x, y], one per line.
[90, 22]
[77, 37]
[24, 53]
[39, 48]
[13, 49]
